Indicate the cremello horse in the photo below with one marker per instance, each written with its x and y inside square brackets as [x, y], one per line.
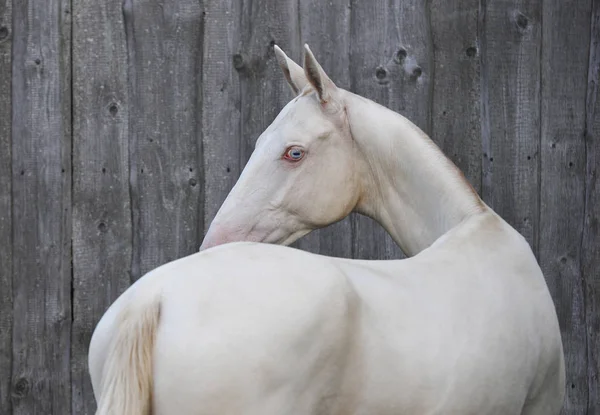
[466, 325]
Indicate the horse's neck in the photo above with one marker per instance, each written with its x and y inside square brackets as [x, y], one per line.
[412, 189]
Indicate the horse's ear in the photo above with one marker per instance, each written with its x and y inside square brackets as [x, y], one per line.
[291, 70]
[317, 76]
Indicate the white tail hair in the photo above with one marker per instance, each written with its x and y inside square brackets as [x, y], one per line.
[126, 387]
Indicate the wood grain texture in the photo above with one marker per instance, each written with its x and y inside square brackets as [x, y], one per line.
[102, 239]
[564, 62]
[41, 189]
[6, 298]
[164, 47]
[590, 243]
[327, 31]
[221, 96]
[456, 84]
[511, 48]
[390, 63]
[264, 91]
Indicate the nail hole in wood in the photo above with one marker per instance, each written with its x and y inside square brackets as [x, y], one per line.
[238, 61]
[401, 54]
[380, 72]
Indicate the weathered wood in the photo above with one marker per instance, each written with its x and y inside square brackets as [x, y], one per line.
[564, 62]
[590, 244]
[456, 84]
[221, 129]
[6, 298]
[390, 62]
[102, 236]
[164, 46]
[41, 190]
[511, 47]
[326, 30]
[264, 93]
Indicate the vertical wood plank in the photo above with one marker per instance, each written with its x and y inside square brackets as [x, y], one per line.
[6, 299]
[101, 207]
[390, 63]
[456, 84]
[327, 32]
[590, 245]
[511, 48]
[164, 40]
[221, 112]
[565, 54]
[264, 91]
[41, 188]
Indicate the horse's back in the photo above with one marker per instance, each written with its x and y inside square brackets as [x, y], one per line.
[269, 334]
[466, 327]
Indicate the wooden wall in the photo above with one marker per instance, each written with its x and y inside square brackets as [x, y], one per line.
[124, 123]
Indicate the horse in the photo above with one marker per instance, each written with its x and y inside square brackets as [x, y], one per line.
[464, 325]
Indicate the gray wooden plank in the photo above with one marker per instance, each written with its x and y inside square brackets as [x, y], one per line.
[390, 63]
[565, 53]
[41, 189]
[264, 91]
[102, 239]
[456, 89]
[164, 41]
[221, 112]
[6, 299]
[590, 244]
[511, 48]
[327, 32]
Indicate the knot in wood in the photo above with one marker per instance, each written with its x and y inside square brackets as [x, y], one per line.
[3, 33]
[522, 21]
[21, 388]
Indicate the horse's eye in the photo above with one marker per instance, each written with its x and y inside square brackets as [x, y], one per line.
[294, 154]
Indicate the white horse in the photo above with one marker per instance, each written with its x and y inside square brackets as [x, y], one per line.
[466, 325]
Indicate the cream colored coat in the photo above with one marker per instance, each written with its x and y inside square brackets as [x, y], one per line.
[466, 325]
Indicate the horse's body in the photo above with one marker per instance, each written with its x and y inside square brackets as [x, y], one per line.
[464, 326]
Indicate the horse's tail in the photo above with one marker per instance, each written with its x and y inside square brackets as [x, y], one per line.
[126, 387]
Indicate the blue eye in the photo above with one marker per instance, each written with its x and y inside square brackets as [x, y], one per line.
[294, 154]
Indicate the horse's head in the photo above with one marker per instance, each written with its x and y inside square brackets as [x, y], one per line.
[304, 172]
